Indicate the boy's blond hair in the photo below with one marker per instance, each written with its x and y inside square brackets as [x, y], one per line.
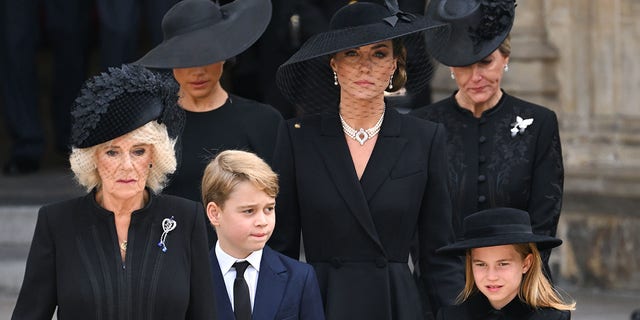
[231, 167]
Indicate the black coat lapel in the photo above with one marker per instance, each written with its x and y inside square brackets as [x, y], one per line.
[336, 156]
[385, 153]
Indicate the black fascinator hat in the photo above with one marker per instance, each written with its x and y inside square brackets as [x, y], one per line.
[306, 79]
[478, 28]
[200, 32]
[121, 100]
[496, 227]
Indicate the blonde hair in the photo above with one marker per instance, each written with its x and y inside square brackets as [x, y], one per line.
[505, 46]
[229, 168]
[84, 163]
[535, 289]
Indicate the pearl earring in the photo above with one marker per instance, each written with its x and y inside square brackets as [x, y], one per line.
[335, 78]
[391, 82]
[506, 67]
[453, 76]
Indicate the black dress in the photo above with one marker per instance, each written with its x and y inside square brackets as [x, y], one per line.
[75, 264]
[477, 307]
[488, 167]
[238, 124]
[358, 232]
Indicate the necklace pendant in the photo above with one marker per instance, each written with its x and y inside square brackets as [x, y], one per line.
[123, 246]
[362, 136]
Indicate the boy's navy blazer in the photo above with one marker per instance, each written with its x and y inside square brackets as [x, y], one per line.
[287, 289]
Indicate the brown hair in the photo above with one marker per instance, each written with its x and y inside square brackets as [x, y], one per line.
[400, 75]
[231, 167]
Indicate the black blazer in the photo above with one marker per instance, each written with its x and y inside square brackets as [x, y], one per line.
[477, 307]
[358, 233]
[488, 167]
[75, 264]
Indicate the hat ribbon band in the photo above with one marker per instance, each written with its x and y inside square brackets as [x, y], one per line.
[496, 230]
[396, 13]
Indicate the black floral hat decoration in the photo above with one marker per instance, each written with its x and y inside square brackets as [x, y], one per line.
[478, 27]
[121, 100]
[201, 32]
[495, 227]
[306, 78]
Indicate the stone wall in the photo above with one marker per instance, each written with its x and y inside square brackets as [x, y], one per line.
[579, 58]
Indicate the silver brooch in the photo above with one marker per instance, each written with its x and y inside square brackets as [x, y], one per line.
[168, 224]
[520, 125]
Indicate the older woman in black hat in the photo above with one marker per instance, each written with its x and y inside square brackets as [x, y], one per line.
[358, 179]
[503, 151]
[504, 278]
[122, 251]
[199, 36]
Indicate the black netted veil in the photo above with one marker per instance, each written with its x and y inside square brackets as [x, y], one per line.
[307, 79]
[121, 100]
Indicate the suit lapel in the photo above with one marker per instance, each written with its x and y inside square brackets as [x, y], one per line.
[223, 304]
[336, 156]
[385, 154]
[272, 281]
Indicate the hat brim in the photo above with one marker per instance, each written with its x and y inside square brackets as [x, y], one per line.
[243, 25]
[459, 50]
[460, 247]
[306, 78]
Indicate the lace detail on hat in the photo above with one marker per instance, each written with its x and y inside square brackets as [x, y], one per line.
[496, 17]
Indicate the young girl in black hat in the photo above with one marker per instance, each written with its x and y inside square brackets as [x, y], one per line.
[359, 180]
[504, 278]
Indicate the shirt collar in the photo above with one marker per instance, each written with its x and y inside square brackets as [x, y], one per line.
[226, 261]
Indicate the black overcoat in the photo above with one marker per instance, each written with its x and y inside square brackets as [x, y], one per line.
[477, 307]
[357, 233]
[488, 167]
[75, 264]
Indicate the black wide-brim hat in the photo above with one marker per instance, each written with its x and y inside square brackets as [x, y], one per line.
[306, 78]
[200, 32]
[496, 227]
[121, 100]
[478, 28]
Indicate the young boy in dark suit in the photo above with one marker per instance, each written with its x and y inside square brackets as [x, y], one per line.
[252, 281]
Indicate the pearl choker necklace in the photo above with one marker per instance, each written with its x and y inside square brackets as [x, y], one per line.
[362, 135]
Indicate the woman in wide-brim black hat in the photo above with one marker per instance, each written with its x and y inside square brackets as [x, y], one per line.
[199, 36]
[504, 276]
[358, 179]
[123, 250]
[503, 151]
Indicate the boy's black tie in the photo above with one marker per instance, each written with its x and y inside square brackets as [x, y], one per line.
[241, 300]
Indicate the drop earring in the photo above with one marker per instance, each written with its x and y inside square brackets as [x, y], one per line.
[391, 82]
[506, 67]
[335, 78]
[453, 76]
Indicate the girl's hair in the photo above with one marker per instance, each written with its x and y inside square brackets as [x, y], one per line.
[231, 167]
[535, 289]
[84, 165]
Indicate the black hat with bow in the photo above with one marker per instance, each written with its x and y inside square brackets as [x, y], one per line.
[306, 78]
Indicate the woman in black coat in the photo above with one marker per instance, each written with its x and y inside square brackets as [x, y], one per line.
[122, 251]
[504, 279]
[361, 196]
[502, 151]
